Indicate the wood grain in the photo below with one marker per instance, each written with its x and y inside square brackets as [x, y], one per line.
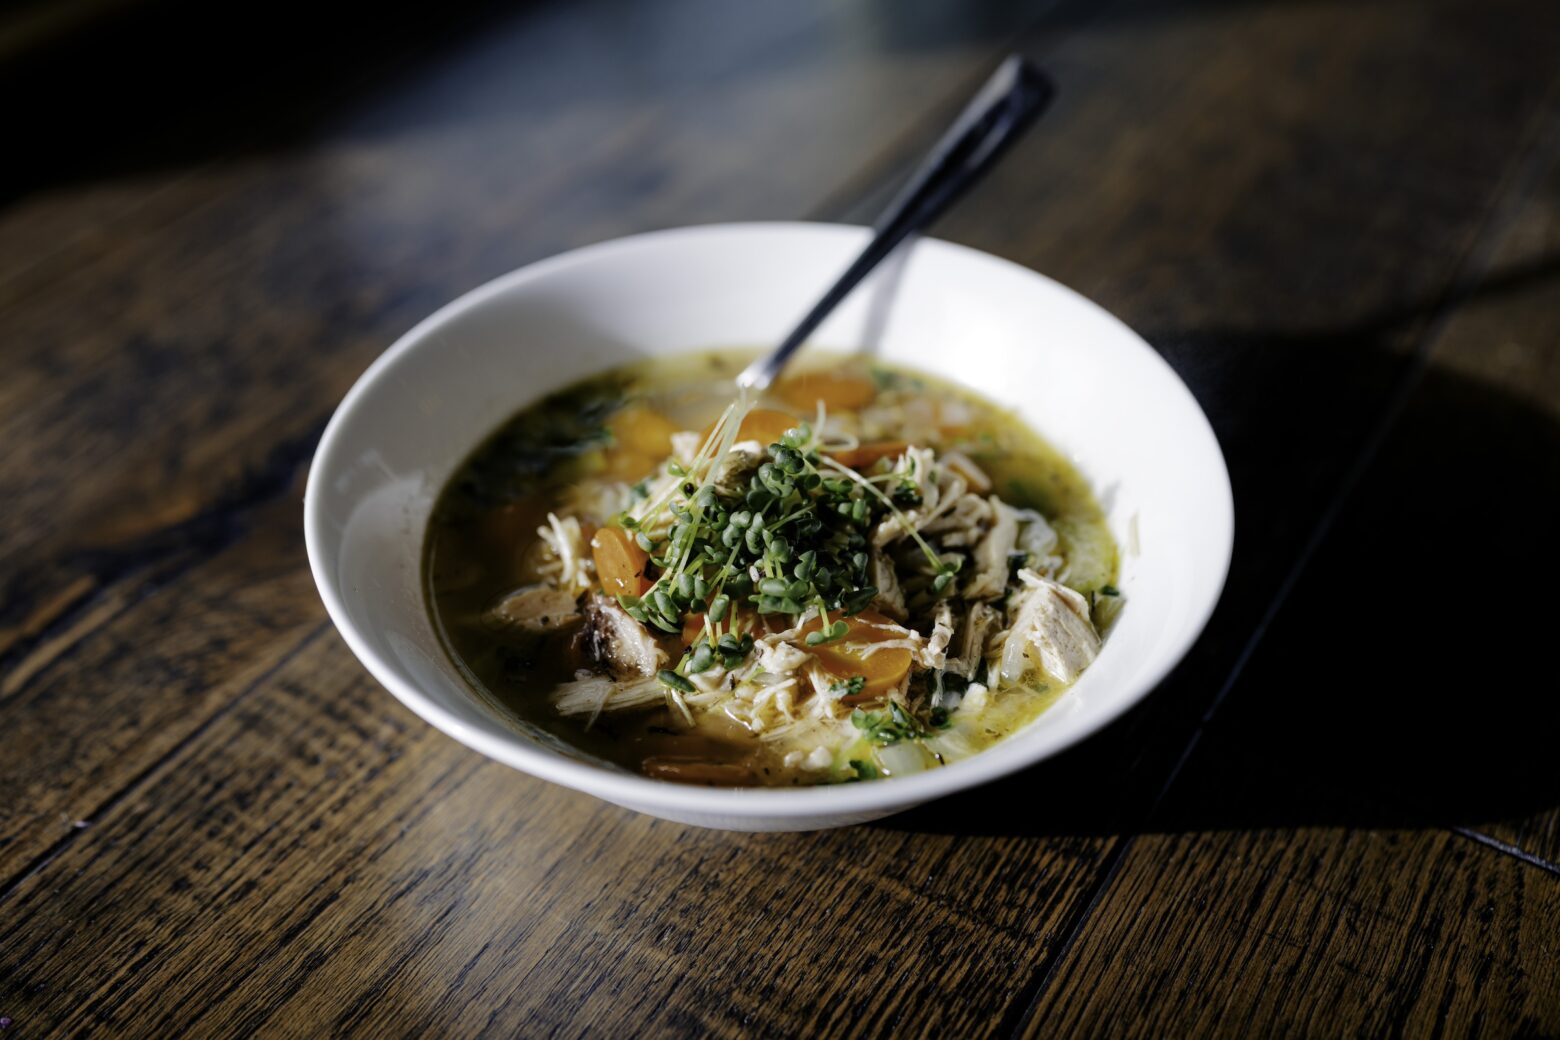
[1257, 904]
[189, 374]
[89, 713]
[248, 316]
[1295, 376]
[211, 822]
[1422, 709]
[322, 861]
[1313, 932]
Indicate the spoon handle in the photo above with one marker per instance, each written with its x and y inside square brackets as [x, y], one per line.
[1010, 100]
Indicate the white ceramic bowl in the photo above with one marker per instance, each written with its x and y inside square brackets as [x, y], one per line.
[1079, 376]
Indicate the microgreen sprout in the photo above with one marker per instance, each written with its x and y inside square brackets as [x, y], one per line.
[895, 725]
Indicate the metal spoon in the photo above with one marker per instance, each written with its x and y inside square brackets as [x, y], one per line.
[1011, 99]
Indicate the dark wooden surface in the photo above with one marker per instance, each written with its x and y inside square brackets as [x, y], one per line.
[1341, 814]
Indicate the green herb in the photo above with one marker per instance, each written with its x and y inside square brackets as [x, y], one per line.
[804, 536]
[907, 494]
[734, 651]
[851, 687]
[666, 677]
[700, 658]
[836, 630]
[890, 727]
[1109, 590]
[864, 770]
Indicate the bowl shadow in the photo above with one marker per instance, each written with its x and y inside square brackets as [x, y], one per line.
[1407, 681]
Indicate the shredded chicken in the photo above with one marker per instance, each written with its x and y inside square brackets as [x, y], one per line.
[990, 579]
[964, 523]
[890, 597]
[615, 640]
[939, 489]
[965, 467]
[1052, 621]
[591, 693]
[764, 701]
[536, 608]
[781, 658]
[979, 623]
[934, 654]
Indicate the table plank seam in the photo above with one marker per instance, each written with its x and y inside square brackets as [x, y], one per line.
[1028, 1000]
[146, 776]
[1526, 167]
[1523, 171]
[155, 560]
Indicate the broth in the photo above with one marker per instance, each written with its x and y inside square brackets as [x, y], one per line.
[597, 439]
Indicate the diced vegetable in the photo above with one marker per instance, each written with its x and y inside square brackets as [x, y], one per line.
[834, 389]
[764, 425]
[903, 759]
[636, 428]
[627, 466]
[641, 438]
[620, 562]
[867, 454]
[882, 670]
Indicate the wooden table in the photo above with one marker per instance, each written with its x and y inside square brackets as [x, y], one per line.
[1340, 222]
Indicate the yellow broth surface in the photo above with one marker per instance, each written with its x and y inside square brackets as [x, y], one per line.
[483, 543]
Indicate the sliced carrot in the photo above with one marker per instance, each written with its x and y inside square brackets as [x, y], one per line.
[620, 562]
[834, 389]
[883, 670]
[629, 465]
[637, 428]
[641, 438]
[865, 455]
[764, 425]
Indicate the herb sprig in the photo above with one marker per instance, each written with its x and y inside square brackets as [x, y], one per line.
[785, 540]
[792, 535]
[896, 724]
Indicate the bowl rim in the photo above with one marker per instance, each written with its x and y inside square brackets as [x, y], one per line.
[514, 749]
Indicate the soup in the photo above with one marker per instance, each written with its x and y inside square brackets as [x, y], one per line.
[863, 573]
